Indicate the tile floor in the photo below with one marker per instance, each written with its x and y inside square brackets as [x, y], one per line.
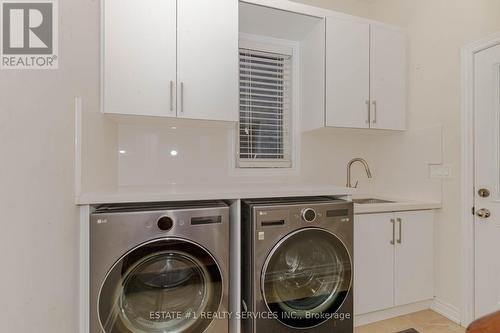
[424, 322]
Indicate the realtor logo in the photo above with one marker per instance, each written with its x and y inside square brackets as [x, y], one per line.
[29, 34]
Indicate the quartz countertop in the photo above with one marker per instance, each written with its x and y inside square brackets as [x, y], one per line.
[398, 204]
[184, 192]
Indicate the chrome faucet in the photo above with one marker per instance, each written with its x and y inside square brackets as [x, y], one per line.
[349, 165]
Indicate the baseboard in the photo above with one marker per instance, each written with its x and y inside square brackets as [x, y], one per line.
[447, 310]
[373, 317]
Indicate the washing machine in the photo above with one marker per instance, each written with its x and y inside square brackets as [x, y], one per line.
[159, 268]
[297, 265]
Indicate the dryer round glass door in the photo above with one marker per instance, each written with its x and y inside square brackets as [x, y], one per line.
[306, 278]
[168, 285]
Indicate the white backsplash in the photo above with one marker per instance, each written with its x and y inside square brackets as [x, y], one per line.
[188, 152]
[179, 154]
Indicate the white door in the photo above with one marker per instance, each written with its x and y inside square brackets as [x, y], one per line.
[487, 176]
[207, 53]
[139, 57]
[347, 73]
[414, 263]
[387, 78]
[373, 262]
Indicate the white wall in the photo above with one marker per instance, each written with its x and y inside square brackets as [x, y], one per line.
[352, 7]
[437, 30]
[399, 165]
[39, 236]
[39, 239]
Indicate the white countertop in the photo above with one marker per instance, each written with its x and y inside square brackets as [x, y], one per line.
[209, 192]
[185, 192]
[398, 205]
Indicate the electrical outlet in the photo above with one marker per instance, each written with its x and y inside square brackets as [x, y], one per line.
[440, 171]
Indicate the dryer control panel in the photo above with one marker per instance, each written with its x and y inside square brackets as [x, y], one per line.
[303, 213]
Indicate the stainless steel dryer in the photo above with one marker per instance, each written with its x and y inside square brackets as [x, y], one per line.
[159, 268]
[297, 265]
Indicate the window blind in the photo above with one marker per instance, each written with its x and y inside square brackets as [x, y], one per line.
[265, 110]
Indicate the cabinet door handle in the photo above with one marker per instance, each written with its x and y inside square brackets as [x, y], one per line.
[182, 96]
[369, 111]
[393, 231]
[400, 222]
[171, 96]
[374, 111]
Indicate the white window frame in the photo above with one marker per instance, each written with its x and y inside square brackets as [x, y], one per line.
[275, 45]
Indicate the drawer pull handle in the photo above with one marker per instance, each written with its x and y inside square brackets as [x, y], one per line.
[400, 221]
[393, 231]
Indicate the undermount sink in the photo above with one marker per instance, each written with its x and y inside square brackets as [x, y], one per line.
[370, 201]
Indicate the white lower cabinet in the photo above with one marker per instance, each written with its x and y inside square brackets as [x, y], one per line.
[414, 257]
[373, 263]
[393, 259]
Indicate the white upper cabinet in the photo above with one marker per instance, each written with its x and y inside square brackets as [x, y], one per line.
[347, 73]
[365, 75]
[207, 53]
[139, 69]
[171, 58]
[387, 78]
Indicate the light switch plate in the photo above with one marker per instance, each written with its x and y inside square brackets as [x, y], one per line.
[440, 171]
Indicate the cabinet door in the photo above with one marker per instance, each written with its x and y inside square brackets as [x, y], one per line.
[388, 78]
[139, 57]
[347, 73]
[373, 262]
[414, 263]
[207, 51]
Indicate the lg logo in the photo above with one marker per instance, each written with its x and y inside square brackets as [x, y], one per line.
[29, 34]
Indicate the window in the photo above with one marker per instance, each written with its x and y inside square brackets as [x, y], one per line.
[265, 112]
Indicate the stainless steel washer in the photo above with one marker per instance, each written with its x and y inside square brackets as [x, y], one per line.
[159, 268]
[297, 265]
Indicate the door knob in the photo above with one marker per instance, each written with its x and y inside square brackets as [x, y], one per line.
[483, 213]
[483, 193]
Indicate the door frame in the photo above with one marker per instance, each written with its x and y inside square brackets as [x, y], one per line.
[467, 174]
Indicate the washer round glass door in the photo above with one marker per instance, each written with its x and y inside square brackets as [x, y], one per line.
[167, 285]
[306, 278]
